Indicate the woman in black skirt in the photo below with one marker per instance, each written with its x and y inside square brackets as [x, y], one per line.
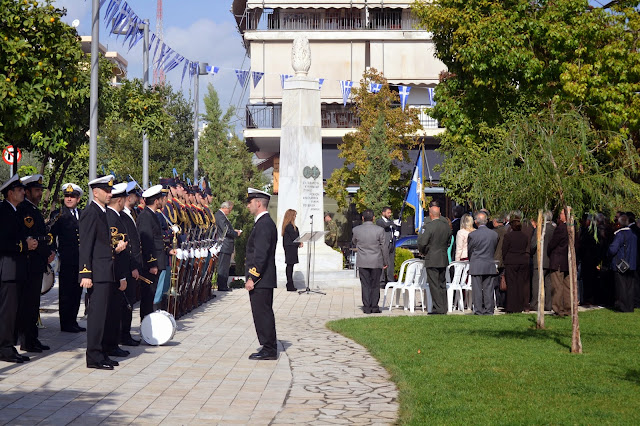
[290, 233]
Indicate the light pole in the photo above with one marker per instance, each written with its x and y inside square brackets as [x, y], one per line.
[93, 94]
[145, 84]
[202, 70]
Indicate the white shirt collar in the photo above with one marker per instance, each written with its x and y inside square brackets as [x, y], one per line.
[260, 215]
[101, 208]
[14, 207]
[117, 212]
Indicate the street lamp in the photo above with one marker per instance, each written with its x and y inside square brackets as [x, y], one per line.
[202, 70]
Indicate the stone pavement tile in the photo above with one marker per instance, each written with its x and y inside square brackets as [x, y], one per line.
[9, 414]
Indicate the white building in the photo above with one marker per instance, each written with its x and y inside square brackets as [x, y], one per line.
[346, 37]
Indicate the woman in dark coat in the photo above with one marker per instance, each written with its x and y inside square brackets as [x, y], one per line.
[515, 255]
[289, 234]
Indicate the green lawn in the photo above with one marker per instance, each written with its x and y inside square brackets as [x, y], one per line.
[500, 370]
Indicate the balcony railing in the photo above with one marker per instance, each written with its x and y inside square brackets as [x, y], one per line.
[273, 19]
[269, 116]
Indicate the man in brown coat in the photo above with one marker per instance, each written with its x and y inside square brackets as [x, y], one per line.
[558, 252]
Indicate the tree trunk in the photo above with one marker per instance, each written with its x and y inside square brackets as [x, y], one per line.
[540, 237]
[576, 343]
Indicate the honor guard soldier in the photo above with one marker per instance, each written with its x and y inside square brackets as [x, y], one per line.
[96, 269]
[135, 264]
[121, 263]
[37, 261]
[64, 228]
[167, 226]
[260, 272]
[13, 265]
[152, 245]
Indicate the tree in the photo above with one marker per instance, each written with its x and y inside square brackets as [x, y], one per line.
[40, 66]
[227, 163]
[514, 58]
[558, 161]
[375, 183]
[399, 126]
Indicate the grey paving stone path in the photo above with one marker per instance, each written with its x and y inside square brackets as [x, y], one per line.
[203, 375]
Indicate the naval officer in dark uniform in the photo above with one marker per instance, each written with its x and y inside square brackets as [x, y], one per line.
[13, 265]
[135, 263]
[260, 271]
[37, 261]
[64, 228]
[96, 269]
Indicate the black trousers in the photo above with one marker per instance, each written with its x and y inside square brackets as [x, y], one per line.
[289, 271]
[8, 312]
[126, 314]
[518, 280]
[264, 320]
[111, 334]
[99, 295]
[29, 308]
[147, 293]
[547, 289]
[438, 288]
[370, 285]
[70, 294]
[224, 261]
[624, 291]
[482, 287]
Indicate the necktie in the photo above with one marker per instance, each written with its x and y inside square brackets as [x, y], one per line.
[75, 213]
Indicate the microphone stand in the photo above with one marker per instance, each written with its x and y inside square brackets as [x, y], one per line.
[308, 290]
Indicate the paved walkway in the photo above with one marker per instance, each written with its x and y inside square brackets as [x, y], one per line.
[203, 375]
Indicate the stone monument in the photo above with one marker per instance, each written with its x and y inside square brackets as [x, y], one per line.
[300, 183]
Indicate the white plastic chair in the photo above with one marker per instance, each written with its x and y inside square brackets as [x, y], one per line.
[412, 269]
[392, 284]
[465, 283]
[454, 284]
[420, 284]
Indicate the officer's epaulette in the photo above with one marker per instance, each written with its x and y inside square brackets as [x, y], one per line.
[175, 200]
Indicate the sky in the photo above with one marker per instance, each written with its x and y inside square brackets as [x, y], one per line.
[200, 30]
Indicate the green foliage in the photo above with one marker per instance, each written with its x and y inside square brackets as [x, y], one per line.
[444, 367]
[227, 163]
[515, 58]
[399, 127]
[402, 254]
[375, 183]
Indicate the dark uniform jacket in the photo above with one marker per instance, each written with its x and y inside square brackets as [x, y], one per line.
[482, 245]
[558, 249]
[13, 245]
[135, 252]
[65, 228]
[226, 231]
[96, 254]
[121, 260]
[260, 262]
[515, 248]
[434, 241]
[290, 248]
[34, 226]
[151, 240]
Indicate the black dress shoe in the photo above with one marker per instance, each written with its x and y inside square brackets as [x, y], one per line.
[130, 342]
[292, 289]
[33, 348]
[41, 346]
[376, 311]
[111, 362]
[366, 310]
[79, 328]
[118, 352]
[262, 355]
[102, 365]
[70, 329]
[13, 358]
[24, 357]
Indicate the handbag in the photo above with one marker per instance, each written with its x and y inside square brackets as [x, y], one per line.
[622, 265]
[503, 283]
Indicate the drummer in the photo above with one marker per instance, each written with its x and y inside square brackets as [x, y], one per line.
[64, 228]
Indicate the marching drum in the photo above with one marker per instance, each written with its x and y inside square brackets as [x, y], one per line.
[158, 328]
[48, 278]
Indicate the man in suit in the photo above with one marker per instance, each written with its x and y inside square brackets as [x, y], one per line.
[154, 259]
[96, 269]
[226, 232]
[260, 272]
[458, 211]
[135, 264]
[372, 257]
[546, 238]
[501, 229]
[558, 252]
[13, 265]
[482, 245]
[37, 261]
[433, 242]
[391, 231]
[64, 228]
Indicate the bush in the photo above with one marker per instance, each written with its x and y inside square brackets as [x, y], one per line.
[401, 256]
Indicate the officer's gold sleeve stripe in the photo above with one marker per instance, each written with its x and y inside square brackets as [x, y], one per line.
[254, 272]
[85, 270]
[153, 259]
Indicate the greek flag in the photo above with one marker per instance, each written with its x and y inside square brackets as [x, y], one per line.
[415, 195]
[212, 70]
[242, 76]
[432, 93]
[320, 81]
[375, 87]
[257, 76]
[404, 95]
[345, 87]
[283, 78]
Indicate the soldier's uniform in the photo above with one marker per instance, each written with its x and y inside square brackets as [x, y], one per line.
[135, 262]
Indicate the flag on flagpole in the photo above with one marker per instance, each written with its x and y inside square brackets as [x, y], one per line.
[345, 87]
[212, 70]
[257, 76]
[404, 95]
[415, 196]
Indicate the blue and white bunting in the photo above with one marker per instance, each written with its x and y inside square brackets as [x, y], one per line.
[404, 95]
[242, 76]
[283, 78]
[345, 87]
[320, 81]
[257, 76]
[432, 93]
[212, 70]
[374, 87]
